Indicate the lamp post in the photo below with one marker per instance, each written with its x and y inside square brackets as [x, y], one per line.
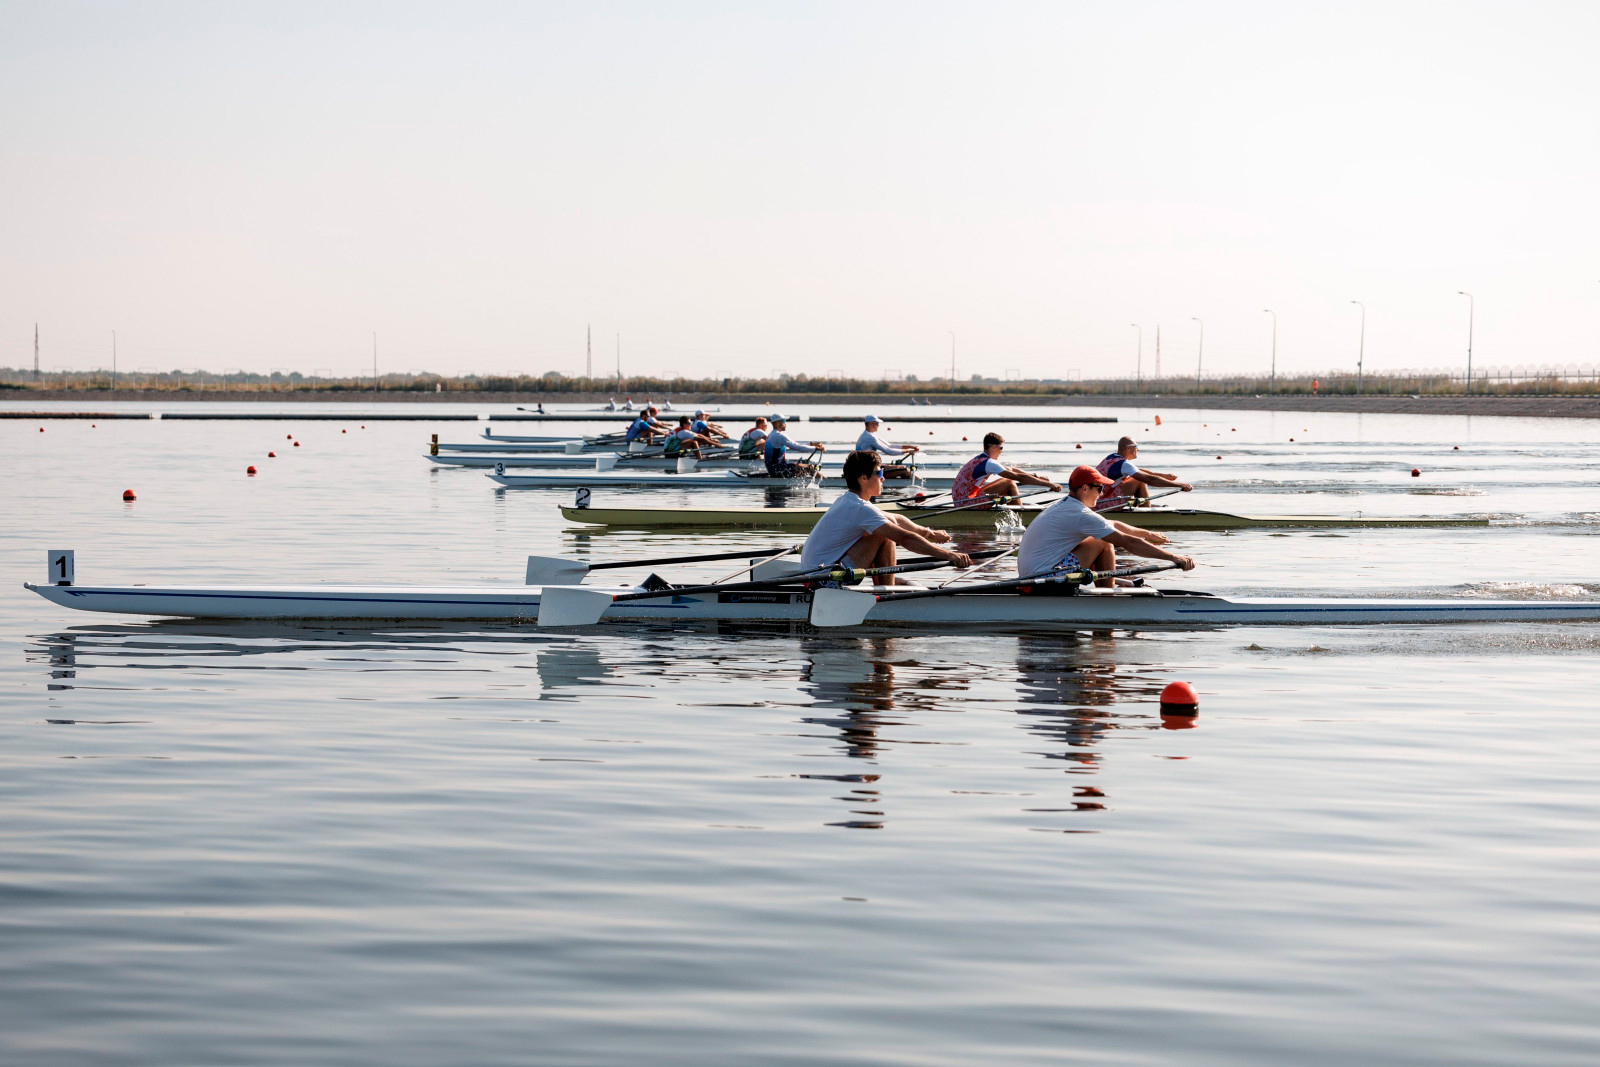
[1361, 349]
[1200, 353]
[1471, 308]
[113, 361]
[1138, 359]
[1272, 382]
[952, 334]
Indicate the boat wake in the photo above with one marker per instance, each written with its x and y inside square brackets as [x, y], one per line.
[1531, 590]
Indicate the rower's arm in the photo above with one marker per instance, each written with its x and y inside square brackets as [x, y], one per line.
[914, 540]
[1152, 478]
[1134, 531]
[1020, 475]
[900, 521]
[1138, 546]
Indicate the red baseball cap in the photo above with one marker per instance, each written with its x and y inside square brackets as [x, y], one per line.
[1087, 475]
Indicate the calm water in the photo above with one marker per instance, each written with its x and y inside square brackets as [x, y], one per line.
[422, 845]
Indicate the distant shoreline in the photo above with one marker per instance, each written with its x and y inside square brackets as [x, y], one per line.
[1578, 407]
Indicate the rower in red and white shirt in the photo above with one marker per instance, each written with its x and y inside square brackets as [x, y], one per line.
[985, 475]
[1129, 483]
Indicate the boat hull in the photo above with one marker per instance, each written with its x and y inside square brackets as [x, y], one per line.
[724, 479]
[1121, 608]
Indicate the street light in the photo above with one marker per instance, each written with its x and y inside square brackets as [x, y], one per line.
[1272, 382]
[1138, 359]
[1361, 351]
[1471, 307]
[952, 334]
[1200, 356]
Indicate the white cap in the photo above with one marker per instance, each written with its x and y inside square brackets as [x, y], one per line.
[775, 417]
[871, 418]
[700, 412]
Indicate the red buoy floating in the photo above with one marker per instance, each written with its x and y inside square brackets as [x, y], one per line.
[1219, 457]
[41, 429]
[288, 437]
[272, 455]
[963, 438]
[297, 445]
[1455, 448]
[1080, 446]
[1179, 698]
[128, 494]
[249, 470]
[344, 431]
[1415, 473]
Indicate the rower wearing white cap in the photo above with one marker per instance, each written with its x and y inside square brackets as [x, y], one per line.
[774, 451]
[869, 441]
[708, 429]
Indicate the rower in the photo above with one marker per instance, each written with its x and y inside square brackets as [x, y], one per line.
[627, 404]
[684, 439]
[1129, 483]
[611, 405]
[644, 427]
[974, 478]
[1069, 535]
[708, 429]
[754, 440]
[869, 441]
[777, 444]
[855, 532]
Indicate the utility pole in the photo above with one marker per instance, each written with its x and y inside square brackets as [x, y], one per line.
[1138, 359]
[619, 361]
[1200, 353]
[113, 361]
[1158, 352]
[952, 360]
[588, 352]
[1272, 382]
[36, 351]
[1471, 307]
[1361, 350]
[374, 361]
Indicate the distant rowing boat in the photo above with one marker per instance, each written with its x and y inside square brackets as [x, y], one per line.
[717, 479]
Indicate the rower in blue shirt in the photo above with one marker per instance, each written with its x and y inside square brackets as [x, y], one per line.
[869, 441]
[778, 442]
[708, 429]
[645, 428]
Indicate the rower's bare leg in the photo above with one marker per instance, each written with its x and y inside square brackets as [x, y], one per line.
[874, 550]
[1001, 487]
[1097, 555]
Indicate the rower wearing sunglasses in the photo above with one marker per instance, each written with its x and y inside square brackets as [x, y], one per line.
[985, 475]
[855, 532]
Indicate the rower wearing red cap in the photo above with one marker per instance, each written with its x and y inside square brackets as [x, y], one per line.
[1069, 535]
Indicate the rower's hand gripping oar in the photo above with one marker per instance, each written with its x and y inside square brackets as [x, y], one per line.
[848, 607]
[553, 570]
[568, 605]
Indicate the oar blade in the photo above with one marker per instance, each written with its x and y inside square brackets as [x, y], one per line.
[553, 570]
[840, 607]
[569, 605]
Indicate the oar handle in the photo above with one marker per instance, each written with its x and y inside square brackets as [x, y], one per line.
[1069, 577]
[828, 573]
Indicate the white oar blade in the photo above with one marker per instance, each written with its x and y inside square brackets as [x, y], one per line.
[840, 607]
[568, 605]
[572, 448]
[553, 570]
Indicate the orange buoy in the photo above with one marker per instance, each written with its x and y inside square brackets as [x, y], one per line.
[1179, 698]
[249, 470]
[1158, 420]
[128, 494]
[920, 496]
[1415, 473]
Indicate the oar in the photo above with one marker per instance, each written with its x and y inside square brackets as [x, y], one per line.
[553, 570]
[847, 607]
[571, 605]
[966, 505]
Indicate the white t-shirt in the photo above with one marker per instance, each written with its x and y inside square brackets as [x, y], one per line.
[684, 434]
[871, 442]
[846, 521]
[1062, 528]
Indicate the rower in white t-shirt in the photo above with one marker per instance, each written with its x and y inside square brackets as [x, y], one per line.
[856, 532]
[1070, 536]
[869, 441]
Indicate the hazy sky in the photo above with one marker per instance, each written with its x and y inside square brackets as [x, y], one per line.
[802, 187]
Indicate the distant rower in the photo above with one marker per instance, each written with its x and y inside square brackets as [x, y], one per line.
[984, 474]
[855, 532]
[1069, 536]
[775, 452]
[754, 440]
[869, 441]
[1128, 482]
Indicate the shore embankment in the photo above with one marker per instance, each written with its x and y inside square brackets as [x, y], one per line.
[1580, 407]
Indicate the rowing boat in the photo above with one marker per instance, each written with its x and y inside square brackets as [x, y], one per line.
[717, 479]
[601, 461]
[1116, 608]
[943, 517]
